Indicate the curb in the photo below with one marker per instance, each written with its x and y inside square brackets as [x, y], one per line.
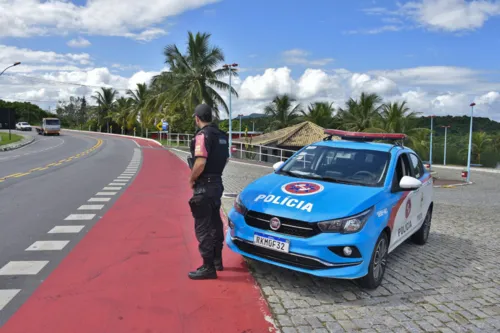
[448, 167]
[453, 185]
[118, 135]
[24, 142]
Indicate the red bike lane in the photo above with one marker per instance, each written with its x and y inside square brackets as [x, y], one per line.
[129, 273]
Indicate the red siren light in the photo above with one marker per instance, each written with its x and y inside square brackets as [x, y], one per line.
[364, 136]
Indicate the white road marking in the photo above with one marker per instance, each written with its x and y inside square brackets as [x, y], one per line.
[136, 143]
[79, 217]
[123, 181]
[116, 184]
[112, 188]
[105, 193]
[99, 199]
[91, 207]
[23, 267]
[6, 295]
[47, 245]
[124, 177]
[36, 151]
[66, 229]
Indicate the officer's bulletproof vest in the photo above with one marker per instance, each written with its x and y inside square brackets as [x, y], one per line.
[219, 150]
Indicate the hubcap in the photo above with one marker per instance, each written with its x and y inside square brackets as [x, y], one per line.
[379, 260]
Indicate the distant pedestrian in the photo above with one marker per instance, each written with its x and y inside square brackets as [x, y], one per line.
[209, 155]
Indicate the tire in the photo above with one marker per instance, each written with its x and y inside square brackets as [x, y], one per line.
[378, 262]
[421, 235]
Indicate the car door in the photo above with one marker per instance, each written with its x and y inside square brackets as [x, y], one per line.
[405, 208]
[424, 193]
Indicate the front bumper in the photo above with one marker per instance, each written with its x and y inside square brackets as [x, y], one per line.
[319, 255]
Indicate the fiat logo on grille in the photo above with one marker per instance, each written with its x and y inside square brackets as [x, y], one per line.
[275, 223]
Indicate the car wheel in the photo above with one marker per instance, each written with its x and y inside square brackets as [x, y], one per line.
[420, 237]
[378, 263]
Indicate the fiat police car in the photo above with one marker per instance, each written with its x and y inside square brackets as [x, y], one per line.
[336, 208]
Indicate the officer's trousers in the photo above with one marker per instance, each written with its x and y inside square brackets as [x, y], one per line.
[205, 207]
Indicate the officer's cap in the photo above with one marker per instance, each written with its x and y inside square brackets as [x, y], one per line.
[203, 111]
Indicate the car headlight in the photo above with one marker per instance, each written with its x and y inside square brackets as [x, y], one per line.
[239, 206]
[346, 225]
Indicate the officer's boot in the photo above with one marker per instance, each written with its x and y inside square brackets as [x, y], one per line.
[218, 260]
[206, 271]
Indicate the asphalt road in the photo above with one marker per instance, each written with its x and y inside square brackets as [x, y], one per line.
[48, 181]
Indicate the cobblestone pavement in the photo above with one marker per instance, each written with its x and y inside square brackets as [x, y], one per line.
[451, 284]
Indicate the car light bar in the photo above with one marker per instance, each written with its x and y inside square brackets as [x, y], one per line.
[364, 136]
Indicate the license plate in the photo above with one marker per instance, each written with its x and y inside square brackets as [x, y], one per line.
[271, 242]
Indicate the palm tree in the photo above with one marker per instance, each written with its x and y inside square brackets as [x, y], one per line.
[360, 115]
[121, 115]
[480, 143]
[282, 113]
[105, 102]
[139, 98]
[193, 77]
[319, 113]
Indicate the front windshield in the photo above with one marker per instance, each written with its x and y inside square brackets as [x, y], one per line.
[341, 165]
[52, 121]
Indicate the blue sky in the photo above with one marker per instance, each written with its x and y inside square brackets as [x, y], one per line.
[438, 55]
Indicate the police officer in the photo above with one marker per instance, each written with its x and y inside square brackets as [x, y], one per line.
[209, 155]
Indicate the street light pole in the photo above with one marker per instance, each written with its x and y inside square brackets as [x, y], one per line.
[445, 132]
[15, 64]
[470, 140]
[230, 66]
[240, 124]
[430, 154]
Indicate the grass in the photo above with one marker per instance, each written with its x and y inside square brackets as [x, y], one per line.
[5, 138]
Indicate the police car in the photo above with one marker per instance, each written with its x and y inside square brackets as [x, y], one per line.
[336, 208]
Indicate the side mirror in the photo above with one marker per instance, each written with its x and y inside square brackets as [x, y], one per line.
[278, 165]
[409, 183]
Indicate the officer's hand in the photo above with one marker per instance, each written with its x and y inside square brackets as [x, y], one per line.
[191, 183]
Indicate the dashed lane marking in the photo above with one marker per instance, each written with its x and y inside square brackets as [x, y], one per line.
[48, 245]
[91, 207]
[53, 164]
[66, 229]
[99, 199]
[34, 267]
[79, 217]
[6, 295]
[23, 267]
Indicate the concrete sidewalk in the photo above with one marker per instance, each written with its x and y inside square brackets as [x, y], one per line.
[129, 273]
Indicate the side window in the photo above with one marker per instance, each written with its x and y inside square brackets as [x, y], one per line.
[403, 168]
[418, 168]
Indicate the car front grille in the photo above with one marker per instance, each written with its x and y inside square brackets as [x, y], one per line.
[288, 226]
[283, 258]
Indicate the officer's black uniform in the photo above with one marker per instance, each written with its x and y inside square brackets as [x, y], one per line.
[206, 201]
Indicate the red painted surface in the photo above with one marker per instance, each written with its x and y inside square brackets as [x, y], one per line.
[129, 273]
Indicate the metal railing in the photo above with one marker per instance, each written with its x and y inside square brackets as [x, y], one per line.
[246, 151]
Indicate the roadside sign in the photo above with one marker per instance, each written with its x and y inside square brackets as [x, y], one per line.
[164, 126]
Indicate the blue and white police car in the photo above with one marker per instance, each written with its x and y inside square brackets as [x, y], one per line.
[336, 208]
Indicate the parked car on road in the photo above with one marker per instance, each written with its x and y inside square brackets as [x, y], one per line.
[336, 208]
[23, 126]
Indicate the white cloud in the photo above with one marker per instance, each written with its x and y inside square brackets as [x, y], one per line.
[128, 18]
[452, 15]
[443, 15]
[417, 86]
[300, 57]
[79, 42]
[431, 90]
[30, 58]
